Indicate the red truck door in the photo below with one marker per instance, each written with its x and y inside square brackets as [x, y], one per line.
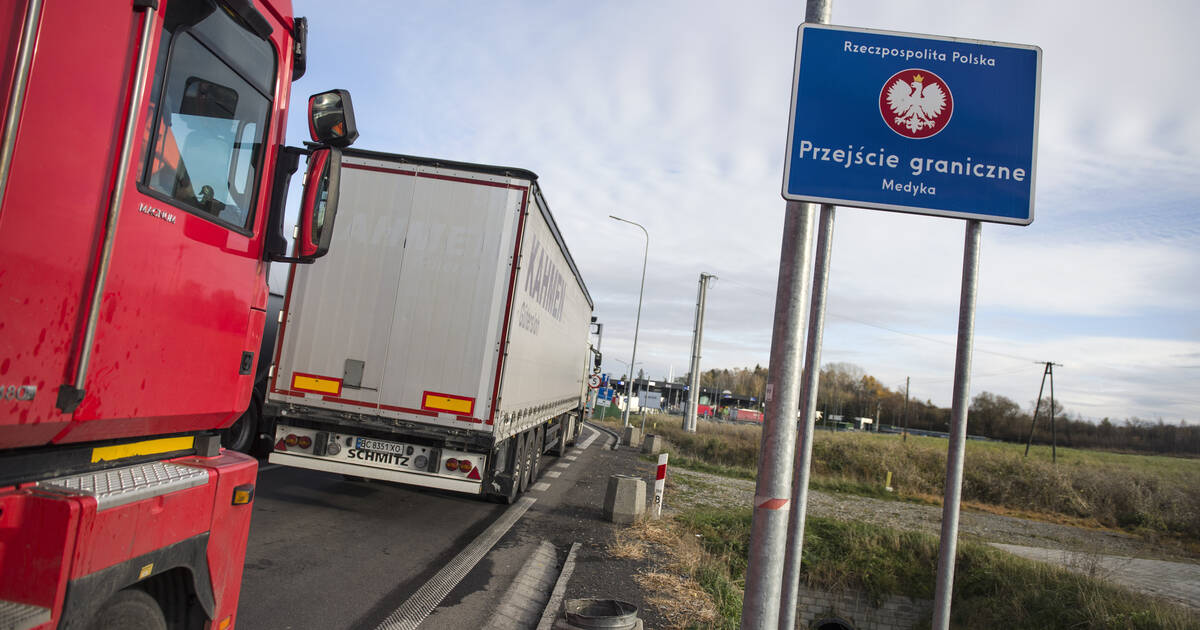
[185, 269]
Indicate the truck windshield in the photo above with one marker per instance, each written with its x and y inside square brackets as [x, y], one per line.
[206, 150]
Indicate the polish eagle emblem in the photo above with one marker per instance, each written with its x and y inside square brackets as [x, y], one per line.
[916, 103]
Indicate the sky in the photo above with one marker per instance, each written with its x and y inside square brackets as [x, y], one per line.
[674, 114]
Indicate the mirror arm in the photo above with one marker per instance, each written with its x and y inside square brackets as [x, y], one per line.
[294, 260]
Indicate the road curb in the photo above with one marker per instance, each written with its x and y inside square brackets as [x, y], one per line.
[560, 589]
[530, 589]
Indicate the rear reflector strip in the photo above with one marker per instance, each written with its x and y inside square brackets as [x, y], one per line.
[317, 384]
[449, 403]
[145, 447]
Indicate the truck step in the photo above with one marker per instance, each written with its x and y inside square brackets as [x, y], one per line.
[14, 616]
[119, 486]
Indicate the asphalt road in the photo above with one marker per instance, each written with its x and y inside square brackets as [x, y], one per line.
[329, 553]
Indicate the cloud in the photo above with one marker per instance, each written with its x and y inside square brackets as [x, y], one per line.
[676, 119]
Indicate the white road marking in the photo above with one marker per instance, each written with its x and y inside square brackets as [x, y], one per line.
[542, 486]
[571, 458]
[411, 613]
[553, 474]
[591, 438]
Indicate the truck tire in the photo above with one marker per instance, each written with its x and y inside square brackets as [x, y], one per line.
[242, 434]
[538, 439]
[130, 609]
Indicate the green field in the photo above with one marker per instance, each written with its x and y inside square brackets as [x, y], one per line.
[1145, 494]
[992, 589]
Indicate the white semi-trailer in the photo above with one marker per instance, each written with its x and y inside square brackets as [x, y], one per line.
[443, 341]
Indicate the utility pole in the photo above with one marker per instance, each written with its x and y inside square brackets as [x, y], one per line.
[1053, 435]
[689, 420]
[905, 437]
[1048, 372]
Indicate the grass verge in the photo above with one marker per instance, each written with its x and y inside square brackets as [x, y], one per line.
[993, 589]
[1143, 494]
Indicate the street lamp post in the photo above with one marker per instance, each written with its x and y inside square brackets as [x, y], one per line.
[637, 322]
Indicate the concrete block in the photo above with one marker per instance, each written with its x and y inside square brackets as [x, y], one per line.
[625, 499]
[632, 436]
[652, 444]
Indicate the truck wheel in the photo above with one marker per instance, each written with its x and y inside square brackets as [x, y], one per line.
[241, 435]
[524, 455]
[130, 609]
[538, 440]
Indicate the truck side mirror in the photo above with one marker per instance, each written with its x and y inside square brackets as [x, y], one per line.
[331, 119]
[319, 205]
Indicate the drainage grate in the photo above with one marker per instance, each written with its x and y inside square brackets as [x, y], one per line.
[412, 612]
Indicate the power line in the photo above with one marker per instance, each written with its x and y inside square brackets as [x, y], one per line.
[894, 330]
[1109, 366]
[940, 379]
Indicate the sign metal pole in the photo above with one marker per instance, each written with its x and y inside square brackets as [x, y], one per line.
[958, 428]
[808, 407]
[772, 491]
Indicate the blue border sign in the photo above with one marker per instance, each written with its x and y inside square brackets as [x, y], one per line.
[914, 123]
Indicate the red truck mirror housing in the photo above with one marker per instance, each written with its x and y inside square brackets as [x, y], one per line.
[319, 205]
[331, 119]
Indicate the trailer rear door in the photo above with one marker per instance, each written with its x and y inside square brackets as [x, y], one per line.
[405, 314]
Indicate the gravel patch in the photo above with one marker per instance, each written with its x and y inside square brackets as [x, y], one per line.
[697, 488]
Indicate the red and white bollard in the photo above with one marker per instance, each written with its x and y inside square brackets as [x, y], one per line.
[660, 482]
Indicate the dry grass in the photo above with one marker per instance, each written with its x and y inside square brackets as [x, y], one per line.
[627, 546]
[676, 597]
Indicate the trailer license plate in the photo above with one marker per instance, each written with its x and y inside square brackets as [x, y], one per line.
[382, 446]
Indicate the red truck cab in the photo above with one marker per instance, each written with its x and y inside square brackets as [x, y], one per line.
[142, 175]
